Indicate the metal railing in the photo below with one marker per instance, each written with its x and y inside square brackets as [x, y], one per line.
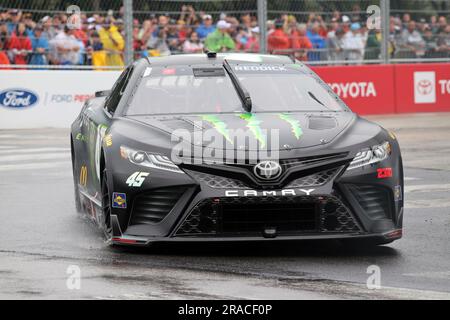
[112, 33]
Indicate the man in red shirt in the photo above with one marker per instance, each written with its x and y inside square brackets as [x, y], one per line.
[278, 41]
[20, 44]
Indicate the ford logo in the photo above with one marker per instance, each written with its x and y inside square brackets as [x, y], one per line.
[267, 170]
[18, 98]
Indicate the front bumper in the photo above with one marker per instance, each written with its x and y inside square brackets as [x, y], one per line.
[199, 206]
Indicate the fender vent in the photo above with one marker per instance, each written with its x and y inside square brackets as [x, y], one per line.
[152, 207]
[322, 123]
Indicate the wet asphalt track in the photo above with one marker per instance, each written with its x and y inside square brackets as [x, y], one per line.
[42, 235]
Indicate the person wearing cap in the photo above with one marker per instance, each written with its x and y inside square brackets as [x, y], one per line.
[278, 41]
[206, 27]
[14, 18]
[335, 44]
[220, 40]
[113, 43]
[40, 47]
[354, 43]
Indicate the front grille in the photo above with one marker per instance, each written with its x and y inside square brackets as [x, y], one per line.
[153, 206]
[315, 180]
[217, 182]
[251, 216]
[375, 201]
[290, 163]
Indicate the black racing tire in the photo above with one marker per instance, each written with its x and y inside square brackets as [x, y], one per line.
[106, 208]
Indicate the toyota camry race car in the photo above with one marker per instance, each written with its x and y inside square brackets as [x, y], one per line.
[232, 147]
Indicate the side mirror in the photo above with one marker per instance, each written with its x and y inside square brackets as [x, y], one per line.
[103, 93]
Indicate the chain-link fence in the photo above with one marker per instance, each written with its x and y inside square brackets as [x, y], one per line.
[110, 33]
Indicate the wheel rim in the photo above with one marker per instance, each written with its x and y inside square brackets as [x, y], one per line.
[106, 207]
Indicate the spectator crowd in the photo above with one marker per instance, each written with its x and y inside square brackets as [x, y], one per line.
[99, 40]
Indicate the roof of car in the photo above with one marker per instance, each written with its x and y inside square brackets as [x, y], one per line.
[187, 59]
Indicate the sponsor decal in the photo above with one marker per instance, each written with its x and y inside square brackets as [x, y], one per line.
[219, 125]
[81, 137]
[295, 124]
[398, 193]
[392, 135]
[253, 124]
[18, 98]
[137, 179]
[354, 89]
[424, 87]
[119, 200]
[267, 170]
[384, 173]
[83, 176]
[108, 140]
[268, 193]
[260, 68]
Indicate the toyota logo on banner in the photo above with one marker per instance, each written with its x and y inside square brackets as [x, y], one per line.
[424, 87]
[267, 170]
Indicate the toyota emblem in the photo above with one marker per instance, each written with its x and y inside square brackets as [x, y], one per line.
[267, 170]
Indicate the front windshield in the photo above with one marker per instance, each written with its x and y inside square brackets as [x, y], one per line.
[184, 90]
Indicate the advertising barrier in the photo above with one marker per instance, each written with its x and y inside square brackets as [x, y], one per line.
[396, 88]
[49, 98]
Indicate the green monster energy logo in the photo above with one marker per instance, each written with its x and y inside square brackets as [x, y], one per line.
[253, 124]
[295, 124]
[219, 125]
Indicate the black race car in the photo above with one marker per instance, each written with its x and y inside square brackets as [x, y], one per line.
[233, 147]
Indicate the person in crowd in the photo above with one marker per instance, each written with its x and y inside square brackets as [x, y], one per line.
[19, 45]
[157, 45]
[444, 42]
[220, 40]
[193, 44]
[354, 43]
[14, 17]
[4, 60]
[336, 45]
[206, 27]
[300, 42]
[96, 54]
[65, 48]
[113, 43]
[431, 43]
[411, 42]
[40, 47]
[373, 45]
[278, 41]
[318, 42]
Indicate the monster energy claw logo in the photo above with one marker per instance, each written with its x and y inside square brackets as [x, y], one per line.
[219, 125]
[253, 124]
[295, 124]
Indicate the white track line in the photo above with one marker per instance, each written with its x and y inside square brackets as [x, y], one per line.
[35, 157]
[34, 150]
[34, 166]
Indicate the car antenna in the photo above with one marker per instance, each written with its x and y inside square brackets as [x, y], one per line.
[242, 92]
[211, 54]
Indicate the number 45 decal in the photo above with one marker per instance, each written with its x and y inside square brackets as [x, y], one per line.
[137, 179]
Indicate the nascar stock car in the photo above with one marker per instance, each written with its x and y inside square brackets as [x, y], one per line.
[289, 161]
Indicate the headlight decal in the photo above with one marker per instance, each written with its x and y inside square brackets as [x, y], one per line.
[371, 156]
[149, 160]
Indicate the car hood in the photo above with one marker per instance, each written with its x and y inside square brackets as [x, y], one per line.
[294, 129]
